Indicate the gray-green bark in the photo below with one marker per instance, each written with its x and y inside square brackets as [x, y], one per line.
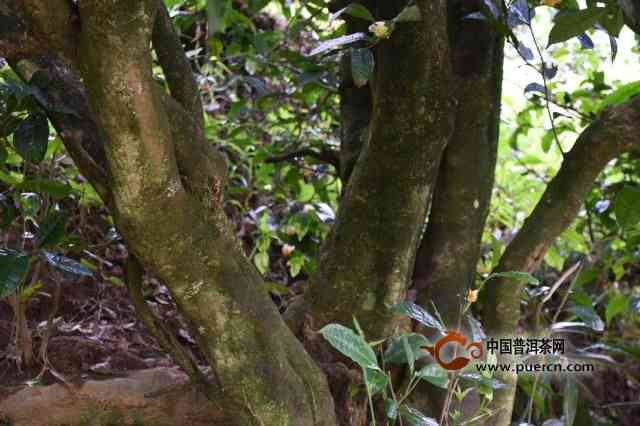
[367, 260]
[158, 162]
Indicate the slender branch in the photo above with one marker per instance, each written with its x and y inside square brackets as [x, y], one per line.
[166, 338]
[325, 156]
[176, 66]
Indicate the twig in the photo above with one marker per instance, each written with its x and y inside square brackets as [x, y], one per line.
[325, 156]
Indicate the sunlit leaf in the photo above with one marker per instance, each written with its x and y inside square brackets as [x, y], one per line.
[523, 277]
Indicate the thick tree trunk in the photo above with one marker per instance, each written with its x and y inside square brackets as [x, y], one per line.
[447, 259]
[367, 260]
[162, 186]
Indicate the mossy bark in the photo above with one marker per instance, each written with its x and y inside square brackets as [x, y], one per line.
[447, 260]
[367, 260]
[163, 185]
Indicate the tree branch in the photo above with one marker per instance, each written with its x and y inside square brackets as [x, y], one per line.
[176, 67]
[325, 156]
[612, 134]
[264, 372]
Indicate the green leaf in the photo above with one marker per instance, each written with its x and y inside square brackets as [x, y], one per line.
[573, 23]
[261, 260]
[616, 305]
[627, 207]
[217, 16]
[51, 230]
[524, 277]
[613, 22]
[351, 345]
[375, 380]
[621, 94]
[31, 137]
[413, 417]
[354, 9]
[570, 402]
[338, 42]
[49, 187]
[408, 353]
[306, 192]
[435, 375]
[409, 14]
[362, 64]
[13, 270]
[419, 314]
[66, 264]
[483, 380]
[395, 352]
[390, 409]
[589, 316]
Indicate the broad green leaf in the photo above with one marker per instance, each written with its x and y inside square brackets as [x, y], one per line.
[51, 230]
[66, 264]
[435, 375]
[306, 192]
[570, 401]
[362, 64]
[375, 380]
[573, 23]
[351, 345]
[419, 314]
[621, 94]
[261, 260]
[413, 417]
[390, 409]
[354, 9]
[13, 269]
[395, 352]
[616, 305]
[524, 277]
[338, 42]
[31, 137]
[409, 14]
[589, 316]
[627, 207]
